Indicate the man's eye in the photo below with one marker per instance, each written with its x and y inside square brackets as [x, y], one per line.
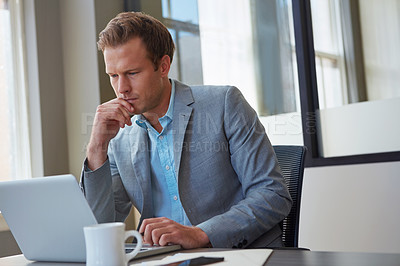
[113, 75]
[132, 73]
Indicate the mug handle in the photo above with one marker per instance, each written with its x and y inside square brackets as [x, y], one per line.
[139, 244]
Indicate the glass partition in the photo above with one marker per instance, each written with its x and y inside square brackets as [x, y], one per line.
[358, 75]
[245, 43]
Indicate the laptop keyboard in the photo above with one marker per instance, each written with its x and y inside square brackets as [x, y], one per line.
[131, 247]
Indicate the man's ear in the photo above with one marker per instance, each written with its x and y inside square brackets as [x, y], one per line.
[165, 65]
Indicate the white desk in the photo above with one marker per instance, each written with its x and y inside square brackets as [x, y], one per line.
[278, 258]
[237, 257]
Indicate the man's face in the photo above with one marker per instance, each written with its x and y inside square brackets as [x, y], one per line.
[134, 79]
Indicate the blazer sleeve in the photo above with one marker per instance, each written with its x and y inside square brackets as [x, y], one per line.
[105, 192]
[266, 200]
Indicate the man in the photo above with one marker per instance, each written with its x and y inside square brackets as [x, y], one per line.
[195, 161]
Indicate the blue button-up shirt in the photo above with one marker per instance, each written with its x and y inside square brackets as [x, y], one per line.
[164, 181]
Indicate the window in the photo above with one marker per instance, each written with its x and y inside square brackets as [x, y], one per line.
[181, 18]
[14, 138]
[335, 60]
[223, 42]
[331, 74]
[349, 120]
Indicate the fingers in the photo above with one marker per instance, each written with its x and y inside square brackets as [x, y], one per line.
[152, 229]
[111, 114]
[124, 103]
[117, 110]
[163, 231]
[109, 118]
[126, 108]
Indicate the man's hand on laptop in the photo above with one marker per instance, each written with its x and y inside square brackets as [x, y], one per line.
[163, 231]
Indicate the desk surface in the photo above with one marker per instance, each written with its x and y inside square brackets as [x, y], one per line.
[278, 258]
[295, 257]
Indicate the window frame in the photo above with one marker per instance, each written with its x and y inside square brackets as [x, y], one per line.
[309, 95]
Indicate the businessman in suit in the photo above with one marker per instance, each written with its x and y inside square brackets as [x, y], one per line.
[194, 160]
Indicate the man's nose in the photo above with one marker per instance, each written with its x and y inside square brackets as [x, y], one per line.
[123, 85]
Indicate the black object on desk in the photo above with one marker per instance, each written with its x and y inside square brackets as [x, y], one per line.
[196, 261]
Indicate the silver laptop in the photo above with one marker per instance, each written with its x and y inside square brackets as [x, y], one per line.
[46, 215]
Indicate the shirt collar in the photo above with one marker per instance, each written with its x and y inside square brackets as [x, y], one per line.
[170, 111]
[141, 120]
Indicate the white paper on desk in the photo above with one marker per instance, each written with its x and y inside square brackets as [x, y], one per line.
[248, 257]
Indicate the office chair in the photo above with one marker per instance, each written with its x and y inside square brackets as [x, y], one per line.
[291, 161]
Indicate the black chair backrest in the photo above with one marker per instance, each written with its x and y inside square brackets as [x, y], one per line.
[291, 161]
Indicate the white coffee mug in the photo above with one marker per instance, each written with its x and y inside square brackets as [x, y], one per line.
[105, 244]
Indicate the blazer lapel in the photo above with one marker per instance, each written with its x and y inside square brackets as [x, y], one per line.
[182, 113]
[140, 159]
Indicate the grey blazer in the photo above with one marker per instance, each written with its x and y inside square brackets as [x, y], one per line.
[229, 180]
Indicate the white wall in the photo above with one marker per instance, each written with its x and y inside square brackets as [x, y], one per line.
[82, 91]
[351, 208]
[360, 128]
[47, 120]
